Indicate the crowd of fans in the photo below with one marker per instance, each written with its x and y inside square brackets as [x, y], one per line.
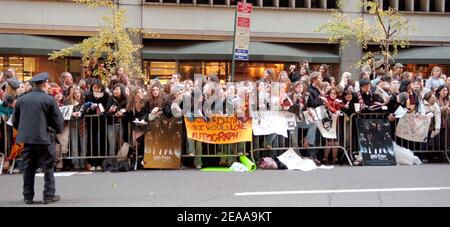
[120, 101]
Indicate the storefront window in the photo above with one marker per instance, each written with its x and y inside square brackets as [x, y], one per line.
[30, 66]
[189, 68]
[25, 67]
[16, 63]
[217, 68]
[254, 71]
[243, 71]
[2, 64]
[162, 70]
[424, 70]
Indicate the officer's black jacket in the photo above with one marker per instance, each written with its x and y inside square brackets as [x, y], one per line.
[35, 113]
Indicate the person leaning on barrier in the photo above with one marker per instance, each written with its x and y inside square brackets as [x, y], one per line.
[38, 119]
[429, 107]
[413, 98]
[349, 99]
[95, 123]
[314, 100]
[394, 102]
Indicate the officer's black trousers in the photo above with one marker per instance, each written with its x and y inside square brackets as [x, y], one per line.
[34, 156]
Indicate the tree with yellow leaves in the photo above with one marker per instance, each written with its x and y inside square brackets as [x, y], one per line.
[387, 28]
[112, 43]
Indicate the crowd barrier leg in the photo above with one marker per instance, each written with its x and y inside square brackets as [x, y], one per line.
[1, 163]
[447, 137]
[299, 136]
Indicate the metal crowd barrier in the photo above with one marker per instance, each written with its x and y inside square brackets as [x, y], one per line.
[95, 137]
[281, 143]
[6, 139]
[201, 149]
[1, 163]
[87, 139]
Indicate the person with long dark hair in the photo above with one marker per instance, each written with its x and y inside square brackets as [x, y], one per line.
[96, 123]
[137, 111]
[116, 109]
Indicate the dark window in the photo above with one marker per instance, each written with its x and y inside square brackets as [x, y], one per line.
[203, 2]
[447, 5]
[423, 6]
[331, 4]
[220, 2]
[417, 5]
[433, 6]
[151, 0]
[268, 3]
[170, 1]
[299, 3]
[315, 3]
[254, 2]
[283, 3]
[233, 2]
[186, 1]
[401, 5]
[386, 4]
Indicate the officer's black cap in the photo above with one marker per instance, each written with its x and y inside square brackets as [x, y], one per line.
[40, 78]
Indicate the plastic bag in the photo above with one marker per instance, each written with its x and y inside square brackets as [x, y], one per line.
[405, 156]
[239, 167]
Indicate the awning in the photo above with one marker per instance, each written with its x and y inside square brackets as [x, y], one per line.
[424, 55]
[30, 44]
[258, 51]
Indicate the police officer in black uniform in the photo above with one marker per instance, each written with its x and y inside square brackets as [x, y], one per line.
[38, 119]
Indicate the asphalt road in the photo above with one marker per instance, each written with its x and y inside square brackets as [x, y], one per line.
[425, 185]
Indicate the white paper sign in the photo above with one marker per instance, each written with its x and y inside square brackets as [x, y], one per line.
[328, 127]
[400, 112]
[413, 127]
[294, 162]
[269, 122]
[66, 111]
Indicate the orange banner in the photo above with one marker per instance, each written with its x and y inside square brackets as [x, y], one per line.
[219, 130]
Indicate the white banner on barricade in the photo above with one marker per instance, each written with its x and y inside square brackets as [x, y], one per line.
[413, 127]
[273, 122]
[327, 127]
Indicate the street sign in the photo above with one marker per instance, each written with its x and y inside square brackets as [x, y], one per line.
[242, 31]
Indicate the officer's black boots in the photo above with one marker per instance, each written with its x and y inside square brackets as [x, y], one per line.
[52, 199]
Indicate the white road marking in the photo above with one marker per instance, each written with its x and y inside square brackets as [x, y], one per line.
[341, 191]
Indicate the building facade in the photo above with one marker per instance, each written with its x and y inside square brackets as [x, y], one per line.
[195, 36]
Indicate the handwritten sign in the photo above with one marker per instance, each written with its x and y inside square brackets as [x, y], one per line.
[219, 130]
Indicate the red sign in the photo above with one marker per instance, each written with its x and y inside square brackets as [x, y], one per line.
[242, 31]
[243, 22]
[244, 7]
